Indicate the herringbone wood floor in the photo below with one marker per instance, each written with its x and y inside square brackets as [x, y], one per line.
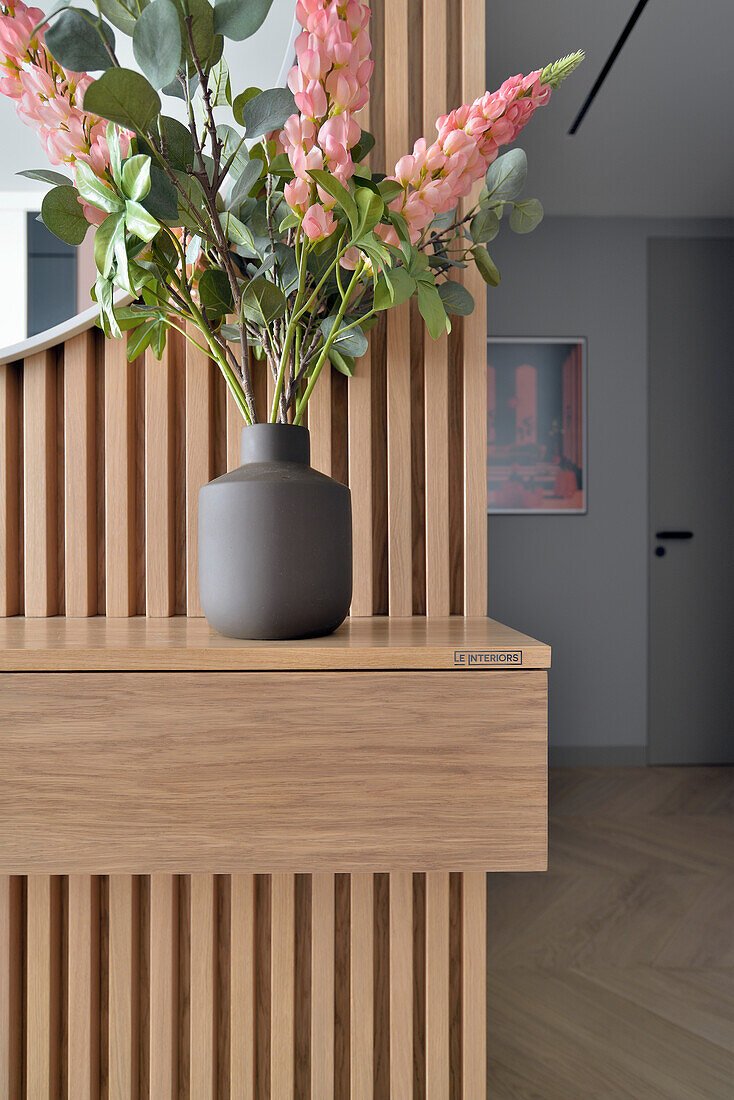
[612, 975]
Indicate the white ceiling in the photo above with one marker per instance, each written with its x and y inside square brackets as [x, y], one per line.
[657, 139]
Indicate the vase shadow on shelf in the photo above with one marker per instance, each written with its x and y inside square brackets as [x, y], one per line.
[275, 542]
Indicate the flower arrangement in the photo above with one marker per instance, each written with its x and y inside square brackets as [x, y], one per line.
[255, 224]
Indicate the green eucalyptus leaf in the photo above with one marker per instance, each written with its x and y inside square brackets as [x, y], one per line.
[353, 342]
[267, 111]
[526, 216]
[176, 140]
[157, 42]
[162, 199]
[338, 191]
[230, 333]
[215, 292]
[238, 233]
[238, 20]
[176, 88]
[123, 96]
[105, 241]
[77, 43]
[484, 226]
[246, 180]
[140, 222]
[241, 100]
[456, 298]
[94, 191]
[394, 287]
[61, 212]
[46, 176]
[219, 85]
[432, 310]
[343, 363]
[123, 13]
[207, 43]
[136, 177]
[505, 177]
[234, 150]
[486, 266]
[263, 301]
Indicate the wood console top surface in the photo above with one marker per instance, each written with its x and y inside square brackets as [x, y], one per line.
[181, 644]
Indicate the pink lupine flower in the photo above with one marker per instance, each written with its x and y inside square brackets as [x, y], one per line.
[318, 223]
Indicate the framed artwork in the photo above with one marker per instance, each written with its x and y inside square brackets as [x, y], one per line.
[536, 425]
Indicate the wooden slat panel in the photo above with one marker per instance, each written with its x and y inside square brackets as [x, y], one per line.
[474, 983]
[160, 580]
[282, 987]
[80, 477]
[397, 138]
[203, 1004]
[82, 1061]
[119, 402]
[322, 985]
[475, 359]
[163, 1012]
[199, 460]
[361, 985]
[401, 984]
[124, 974]
[359, 393]
[39, 485]
[10, 587]
[43, 988]
[242, 987]
[437, 985]
[319, 422]
[235, 424]
[11, 987]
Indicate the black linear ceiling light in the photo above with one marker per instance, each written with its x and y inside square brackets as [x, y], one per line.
[616, 50]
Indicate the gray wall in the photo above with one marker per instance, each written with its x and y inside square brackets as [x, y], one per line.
[580, 582]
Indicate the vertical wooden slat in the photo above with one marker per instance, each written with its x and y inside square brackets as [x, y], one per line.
[39, 485]
[437, 985]
[474, 983]
[9, 490]
[203, 1004]
[242, 987]
[319, 422]
[11, 987]
[397, 137]
[123, 1012]
[199, 460]
[80, 477]
[436, 352]
[401, 984]
[282, 987]
[82, 1061]
[163, 1015]
[43, 988]
[361, 985]
[235, 424]
[160, 580]
[119, 402]
[322, 985]
[475, 358]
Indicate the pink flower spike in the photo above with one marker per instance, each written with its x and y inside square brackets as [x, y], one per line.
[318, 223]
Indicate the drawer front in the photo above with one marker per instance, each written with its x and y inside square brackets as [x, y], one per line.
[261, 772]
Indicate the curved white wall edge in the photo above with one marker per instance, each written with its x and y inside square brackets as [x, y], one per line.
[59, 334]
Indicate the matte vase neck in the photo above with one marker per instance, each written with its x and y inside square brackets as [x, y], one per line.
[275, 443]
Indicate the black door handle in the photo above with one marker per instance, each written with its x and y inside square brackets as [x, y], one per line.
[674, 535]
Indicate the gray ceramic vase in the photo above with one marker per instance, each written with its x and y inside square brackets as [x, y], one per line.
[275, 541]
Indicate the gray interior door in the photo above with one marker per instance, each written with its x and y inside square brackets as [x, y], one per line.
[691, 511]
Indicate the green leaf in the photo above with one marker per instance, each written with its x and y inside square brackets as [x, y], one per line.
[207, 44]
[486, 266]
[244, 183]
[157, 42]
[136, 177]
[94, 191]
[238, 233]
[77, 43]
[263, 301]
[456, 298]
[505, 177]
[162, 199]
[219, 85]
[484, 226]
[267, 111]
[237, 20]
[354, 342]
[243, 98]
[63, 215]
[432, 310]
[140, 222]
[364, 146]
[123, 13]
[290, 221]
[43, 174]
[526, 215]
[371, 208]
[403, 284]
[215, 291]
[234, 150]
[389, 189]
[105, 240]
[338, 191]
[343, 363]
[103, 290]
[123, 96]
[177, 141]
[139, 340]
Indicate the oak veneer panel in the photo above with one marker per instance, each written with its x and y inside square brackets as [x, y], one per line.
[11, 986]
[9, 489]
[190, 644]
[232, 788]
[401, 984]
[203, 988]
[83, 984]
[361, 984]
[235, 424]
[282, 984]
[322, 985]
[43, 988]
[80, 477]
[319, 422]
[160, 531]
[242, 987]
[119, 444]
[474, 983]
[199, 459]
[40, 558]
[163, 1012]
[437, 985]
[123, 1014]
